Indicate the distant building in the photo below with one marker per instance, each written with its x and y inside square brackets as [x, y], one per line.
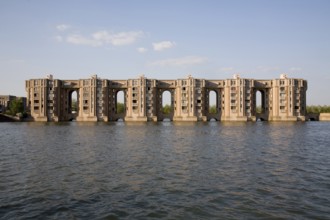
[5, 102]
[282, 99]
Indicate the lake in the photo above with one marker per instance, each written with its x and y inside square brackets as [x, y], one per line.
[165, 170]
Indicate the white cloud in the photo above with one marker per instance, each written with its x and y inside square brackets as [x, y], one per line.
[117, 39]
[59, 38]
[103, 37]
[80, 40]
[183, 61]
[163, 45]
[62, 27]
[142, 49]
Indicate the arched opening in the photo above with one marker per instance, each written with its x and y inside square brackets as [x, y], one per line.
[260, 119]
[167, 103]
[73, 105]
[120, 102]
[213, 120]
[259, 102]
[312, 119]
[213, 102]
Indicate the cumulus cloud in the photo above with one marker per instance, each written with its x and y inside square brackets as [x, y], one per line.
[142, 49]
[80, 40]
[103, 37]
[62, 27]
[182, 61]
[59, 38]
[117, 39]
[160, 46]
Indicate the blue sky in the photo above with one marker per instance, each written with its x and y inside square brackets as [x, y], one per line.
[165, 40]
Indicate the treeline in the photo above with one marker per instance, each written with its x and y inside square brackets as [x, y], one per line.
[167, 109]
[16, 107]
[318, 109]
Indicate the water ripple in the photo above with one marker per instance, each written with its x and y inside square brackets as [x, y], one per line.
[164, 171]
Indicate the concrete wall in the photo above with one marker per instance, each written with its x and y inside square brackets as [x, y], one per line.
[283, 99]
[324, 117]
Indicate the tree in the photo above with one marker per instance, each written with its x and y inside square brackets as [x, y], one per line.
[258, 109]
[213, 109]
[74, 105]
[316, 109]
[120, 108]
[167, 109]
[16, 106]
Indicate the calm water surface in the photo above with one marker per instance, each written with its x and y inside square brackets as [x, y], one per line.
[165, 170]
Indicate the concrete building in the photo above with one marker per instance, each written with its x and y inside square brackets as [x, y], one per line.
[324, 117]
[282, 99]
[5, 101]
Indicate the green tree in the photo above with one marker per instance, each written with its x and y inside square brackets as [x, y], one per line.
[213, 109]
[74, 105]
[120, 108]
[167, 109]
[15, 106]
[316, 109]
[259, 109]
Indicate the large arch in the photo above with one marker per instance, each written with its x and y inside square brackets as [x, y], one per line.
[120, 102]
[212, 105]
[260, 104]
[166, 103]
[120, 105]
[260, 108]
[165, 109]
[71, 103]
[213, 102]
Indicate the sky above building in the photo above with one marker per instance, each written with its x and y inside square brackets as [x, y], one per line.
[74, 39]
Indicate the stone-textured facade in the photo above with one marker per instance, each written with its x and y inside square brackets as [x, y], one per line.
[282, 99]
[5, 101]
